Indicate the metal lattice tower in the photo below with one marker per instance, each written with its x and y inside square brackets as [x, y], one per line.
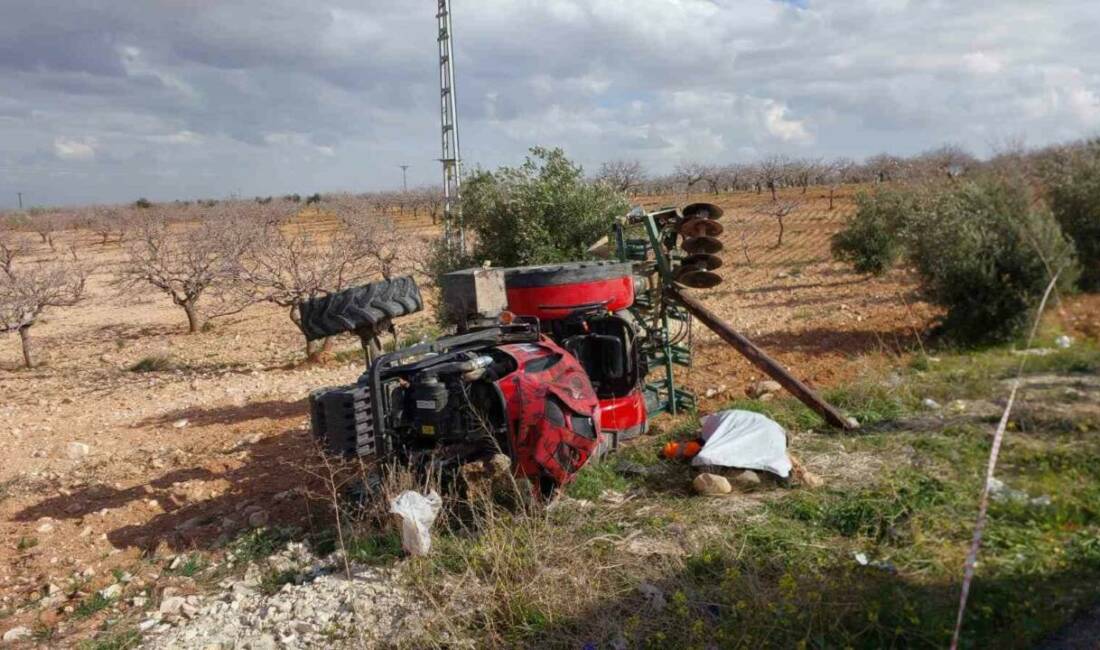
[454, 233]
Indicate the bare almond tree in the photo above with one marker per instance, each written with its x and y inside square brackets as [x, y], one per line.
[771, 172]
[803, 172]
[106, 222]
[433, 200]
[10, 248]
[624, 176]
[950, 161]
[688, 175]
[778, 210]
[377, 235]
[736, 176]
[28, 288]
[834, 173]
[192, 264]
[714, 176]
[45, 224]
[288, 265]
[885, 167]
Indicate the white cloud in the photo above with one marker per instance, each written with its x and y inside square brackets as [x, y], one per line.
[179, 137]
[981, 63]
[782, 127]
[74, 148]
[1085, 104]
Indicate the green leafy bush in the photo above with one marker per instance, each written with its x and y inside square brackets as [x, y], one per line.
[541, 212]
[872, 240]
[1074, 189]
[982, 249]
[986, 253]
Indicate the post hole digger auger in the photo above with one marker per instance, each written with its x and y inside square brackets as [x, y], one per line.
[551, 365]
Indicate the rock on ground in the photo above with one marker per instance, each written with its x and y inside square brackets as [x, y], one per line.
[77, 450]
[17, 634]
[762, 388]
[711, 485]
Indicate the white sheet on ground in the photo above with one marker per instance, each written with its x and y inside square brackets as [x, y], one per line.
[745, 440]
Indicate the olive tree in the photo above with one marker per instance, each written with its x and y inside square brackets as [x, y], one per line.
[982, 249]
[540, 212]
[1074, 190]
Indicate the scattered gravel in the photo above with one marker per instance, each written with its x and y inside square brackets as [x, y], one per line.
[318, 606]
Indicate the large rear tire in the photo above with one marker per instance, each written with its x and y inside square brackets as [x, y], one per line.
[367, 306]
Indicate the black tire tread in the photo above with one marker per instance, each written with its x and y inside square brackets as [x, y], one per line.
[365, 306]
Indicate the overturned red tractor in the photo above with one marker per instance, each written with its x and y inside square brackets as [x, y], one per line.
[545, 369]
[551, 365]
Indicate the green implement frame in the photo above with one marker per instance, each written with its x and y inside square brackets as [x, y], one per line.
[667, 325]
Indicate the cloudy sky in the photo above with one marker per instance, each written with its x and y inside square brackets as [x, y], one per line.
[108, 100]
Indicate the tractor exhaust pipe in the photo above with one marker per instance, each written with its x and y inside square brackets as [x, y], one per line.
[761, 360]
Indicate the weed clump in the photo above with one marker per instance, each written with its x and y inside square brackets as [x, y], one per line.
[154, 363]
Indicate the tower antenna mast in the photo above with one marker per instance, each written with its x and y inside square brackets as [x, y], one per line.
[454, 232]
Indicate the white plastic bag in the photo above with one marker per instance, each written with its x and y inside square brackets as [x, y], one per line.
[418, 513]
[745, 440]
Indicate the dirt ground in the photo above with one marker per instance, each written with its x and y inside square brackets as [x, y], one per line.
[182, 459]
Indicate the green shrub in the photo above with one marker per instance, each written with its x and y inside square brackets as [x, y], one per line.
[872, 240]
[982, 250]
[986, 254]
[541, 212]
[1074, 189]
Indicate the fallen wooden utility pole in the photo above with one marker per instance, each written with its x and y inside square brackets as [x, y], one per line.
[761, 360]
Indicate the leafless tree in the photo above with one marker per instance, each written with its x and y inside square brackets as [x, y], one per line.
[688, 175]
[949, 161]
[772, 172]
[624, 176]
[11, 247]
[778, 210]
[885, 167]
[805, 171]
[834, 173]
[288, 265]
[377, 235]
[27, 289]
[193, 264]
[714, 176]
[105, 222]
[44, 223]
[433, 200]
[736, 176]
